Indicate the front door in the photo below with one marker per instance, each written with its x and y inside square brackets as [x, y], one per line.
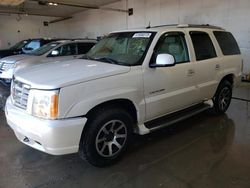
[168, 89]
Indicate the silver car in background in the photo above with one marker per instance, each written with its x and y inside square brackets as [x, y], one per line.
[54, 51]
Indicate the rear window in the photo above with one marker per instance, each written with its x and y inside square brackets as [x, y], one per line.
[227, 43]
[203, 46]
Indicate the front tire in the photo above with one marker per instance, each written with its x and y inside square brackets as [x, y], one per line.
[222, 98]
[106, 136]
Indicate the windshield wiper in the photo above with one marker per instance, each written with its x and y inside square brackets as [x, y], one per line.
[87, 57]
[103, 59]
[108, 60]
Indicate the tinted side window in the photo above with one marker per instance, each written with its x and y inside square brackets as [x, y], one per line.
[43, 42]
[174, 44]
[83, 48]
[67, 50]
[203, 46]
[227, 43]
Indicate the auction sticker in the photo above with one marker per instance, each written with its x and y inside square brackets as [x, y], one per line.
[142, 35]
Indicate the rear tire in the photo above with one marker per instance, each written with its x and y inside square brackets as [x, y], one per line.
[106, 136]
[222, 98]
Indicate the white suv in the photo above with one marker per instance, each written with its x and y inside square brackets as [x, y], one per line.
[55, 51]
[135, 81]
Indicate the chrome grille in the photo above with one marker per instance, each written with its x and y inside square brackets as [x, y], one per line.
[20, 94]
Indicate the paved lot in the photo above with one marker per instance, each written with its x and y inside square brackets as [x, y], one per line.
[202, 152]
[4, 93]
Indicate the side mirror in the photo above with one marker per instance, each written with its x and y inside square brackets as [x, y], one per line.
[55, 53]
[164, 60]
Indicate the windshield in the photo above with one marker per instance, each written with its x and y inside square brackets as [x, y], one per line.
[127, 48]
[44, 49]
[19, 45]
[33, 45]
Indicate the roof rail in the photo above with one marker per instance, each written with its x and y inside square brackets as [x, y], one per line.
[188, 26]
[173, 25]
[199, 26]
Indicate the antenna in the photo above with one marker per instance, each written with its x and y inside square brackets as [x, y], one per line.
[148, 27]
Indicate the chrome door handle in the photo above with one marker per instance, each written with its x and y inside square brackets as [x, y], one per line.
[217, 66]
[190, 72]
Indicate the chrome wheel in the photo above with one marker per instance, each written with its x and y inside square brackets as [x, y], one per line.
[111, 138]
[224, 98]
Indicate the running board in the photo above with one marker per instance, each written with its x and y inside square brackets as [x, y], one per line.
[170, 119]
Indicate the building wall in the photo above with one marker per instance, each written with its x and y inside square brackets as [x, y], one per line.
[93, 23]
[14, 28]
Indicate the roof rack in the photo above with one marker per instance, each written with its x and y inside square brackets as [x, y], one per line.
[173, 25]
[199, 26]
[188, 26]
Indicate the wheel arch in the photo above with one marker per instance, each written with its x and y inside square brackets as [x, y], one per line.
[229, 77]
[126, 104]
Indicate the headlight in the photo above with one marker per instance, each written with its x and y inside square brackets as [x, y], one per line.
[15, 65]
[45, 104]
[7, 66]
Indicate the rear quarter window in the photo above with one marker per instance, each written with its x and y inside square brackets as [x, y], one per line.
[227, 43]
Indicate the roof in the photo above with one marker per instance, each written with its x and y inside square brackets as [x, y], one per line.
[174, 26]
[76, 40]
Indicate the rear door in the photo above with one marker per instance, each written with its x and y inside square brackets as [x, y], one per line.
[207, 63]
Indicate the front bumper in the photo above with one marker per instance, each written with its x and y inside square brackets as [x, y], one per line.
[56, 137]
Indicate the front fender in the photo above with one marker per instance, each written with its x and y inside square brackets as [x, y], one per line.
[78, 100]
[84, 106]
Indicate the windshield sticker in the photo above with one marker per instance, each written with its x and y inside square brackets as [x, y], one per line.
[142, 35]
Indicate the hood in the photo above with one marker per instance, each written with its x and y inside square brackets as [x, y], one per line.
[15, 58]
[60, 74]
